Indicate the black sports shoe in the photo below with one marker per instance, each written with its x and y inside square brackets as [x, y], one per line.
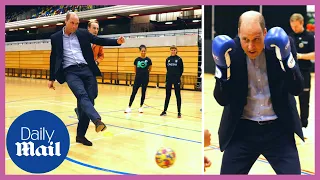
[179, 115]
[163, 113]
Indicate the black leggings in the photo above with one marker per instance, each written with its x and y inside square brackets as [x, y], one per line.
[139, 81]
[176, 83]
[304, 99]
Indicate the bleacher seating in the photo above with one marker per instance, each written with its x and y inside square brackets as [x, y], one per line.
[117, 67]
[47, 11]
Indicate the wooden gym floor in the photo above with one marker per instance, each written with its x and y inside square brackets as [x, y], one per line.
[131, 140]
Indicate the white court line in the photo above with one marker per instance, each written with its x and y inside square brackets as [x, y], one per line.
[97, 102]
[126, 132]
[176, 119]
[57, 104]
[73, 106]
[149, 107]
[30, 103]
[98, 99]
[36, 103]
[62, 102]
[152, 119]
[31, 99]
[158, 119]
[118, 134]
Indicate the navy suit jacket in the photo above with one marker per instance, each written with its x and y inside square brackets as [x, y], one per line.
[283, 87]
[85, 39]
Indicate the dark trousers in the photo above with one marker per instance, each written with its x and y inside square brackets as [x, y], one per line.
[304, 98]
[176, 82]
[84, 86]
[140, 81]
[251, 140]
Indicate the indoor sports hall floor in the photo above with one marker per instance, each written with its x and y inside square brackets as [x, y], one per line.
[212, 115]
[131, 140]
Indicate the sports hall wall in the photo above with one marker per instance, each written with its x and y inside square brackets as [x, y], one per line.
[31, 59]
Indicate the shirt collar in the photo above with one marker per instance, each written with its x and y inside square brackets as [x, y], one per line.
[64, 34]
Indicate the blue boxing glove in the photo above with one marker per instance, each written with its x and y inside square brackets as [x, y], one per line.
[222, 45]
[278, 38]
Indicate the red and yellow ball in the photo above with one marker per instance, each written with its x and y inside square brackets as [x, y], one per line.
[165, 157]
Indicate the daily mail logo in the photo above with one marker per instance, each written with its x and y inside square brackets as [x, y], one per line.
[38, 141]
[25, 148]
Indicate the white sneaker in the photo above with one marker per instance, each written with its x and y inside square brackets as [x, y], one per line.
[141, 110]
[128, 110]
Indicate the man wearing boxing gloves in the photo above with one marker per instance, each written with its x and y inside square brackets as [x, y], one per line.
[257, 78]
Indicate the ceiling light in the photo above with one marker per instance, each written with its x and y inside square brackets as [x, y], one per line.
[186, 8]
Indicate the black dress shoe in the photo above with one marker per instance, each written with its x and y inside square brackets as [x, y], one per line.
[84, 141]
[100, 126]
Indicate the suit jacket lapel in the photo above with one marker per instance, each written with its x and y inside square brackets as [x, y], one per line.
[271, 69]
[274, 72]
[242, 70]
[59, 50]
[244, 63]
[60, 44]
[80, 39]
